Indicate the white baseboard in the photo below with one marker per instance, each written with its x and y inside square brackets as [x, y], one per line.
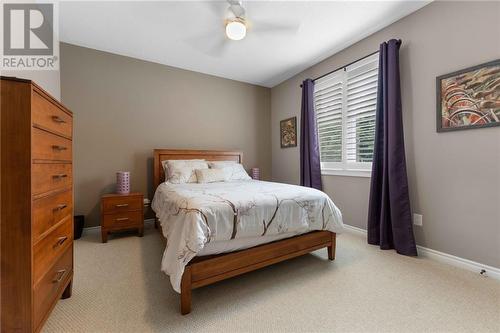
[467, 264]
[354, 230]
[92, 228]
[445, 258]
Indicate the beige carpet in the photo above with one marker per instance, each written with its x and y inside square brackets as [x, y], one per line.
[118, 287]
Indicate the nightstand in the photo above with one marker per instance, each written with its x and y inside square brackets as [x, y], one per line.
[121, 212]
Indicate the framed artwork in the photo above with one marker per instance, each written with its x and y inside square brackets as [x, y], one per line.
[469, 98]
[288, 132]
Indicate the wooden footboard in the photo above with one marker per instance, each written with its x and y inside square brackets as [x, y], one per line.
[202, 271]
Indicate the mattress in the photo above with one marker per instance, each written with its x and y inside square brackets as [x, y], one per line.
[202, 219]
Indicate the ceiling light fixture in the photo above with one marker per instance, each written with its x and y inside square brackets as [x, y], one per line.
[236, 29]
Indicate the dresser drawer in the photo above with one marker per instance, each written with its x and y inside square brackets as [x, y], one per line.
[48, 211]
[123, 220]
[51, 246]
[49, 287]
[47, 146]
[117, 204]
[49, 176]
[51, 117]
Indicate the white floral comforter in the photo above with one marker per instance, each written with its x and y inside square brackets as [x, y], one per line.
[193, 215]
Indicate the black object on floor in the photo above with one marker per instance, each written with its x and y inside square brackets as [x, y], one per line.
[79, 221]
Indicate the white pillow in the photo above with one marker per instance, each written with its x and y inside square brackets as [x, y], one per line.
[210, 175]
[220, 164]
[182, 171]
[232, 171]
[165, 167]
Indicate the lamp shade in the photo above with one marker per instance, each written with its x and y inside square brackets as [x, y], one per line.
[123, 182]
[255, 173]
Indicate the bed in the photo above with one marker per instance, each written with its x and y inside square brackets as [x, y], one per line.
[216, 231]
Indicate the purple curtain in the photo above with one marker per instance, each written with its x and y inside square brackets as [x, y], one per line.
[389, 213]
[310, 167]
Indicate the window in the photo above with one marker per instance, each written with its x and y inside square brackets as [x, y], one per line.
[345, 103]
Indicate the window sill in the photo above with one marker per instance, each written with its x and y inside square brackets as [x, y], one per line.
[347, 173]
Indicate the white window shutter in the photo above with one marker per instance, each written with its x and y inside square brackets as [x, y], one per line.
[345, 103]
[328, 104]
[362, 82]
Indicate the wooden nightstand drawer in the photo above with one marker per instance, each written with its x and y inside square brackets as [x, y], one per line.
[121, 212]
[116, 204]
[123, 220]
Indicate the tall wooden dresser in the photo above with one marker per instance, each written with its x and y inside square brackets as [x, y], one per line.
[36, 205]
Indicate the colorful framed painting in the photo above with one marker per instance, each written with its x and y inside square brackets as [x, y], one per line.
[469, 98]
[288, 132]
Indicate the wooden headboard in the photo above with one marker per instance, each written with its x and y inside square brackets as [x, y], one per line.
[182, 154]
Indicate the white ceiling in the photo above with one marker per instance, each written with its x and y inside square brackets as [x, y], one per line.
[190, 35]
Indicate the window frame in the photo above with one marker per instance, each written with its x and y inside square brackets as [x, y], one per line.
[344, 168]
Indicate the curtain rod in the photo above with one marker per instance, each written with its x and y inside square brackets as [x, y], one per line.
[343, 67]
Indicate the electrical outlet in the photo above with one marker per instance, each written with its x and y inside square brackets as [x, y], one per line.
[417, 219]
[146, 201]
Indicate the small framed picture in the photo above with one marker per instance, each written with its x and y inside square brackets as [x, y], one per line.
[469, 98]
[288, 132]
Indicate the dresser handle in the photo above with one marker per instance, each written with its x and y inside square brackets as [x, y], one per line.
[59, 276]
[60, 207]
[58, 119]
[56, 147]
[122, 219]
[59, 176]
[121, 205]
[61, 240]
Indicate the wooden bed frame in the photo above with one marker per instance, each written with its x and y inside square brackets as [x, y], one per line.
[202, 271]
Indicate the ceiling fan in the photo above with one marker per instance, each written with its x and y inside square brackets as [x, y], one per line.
[236, 26]
[237, 23]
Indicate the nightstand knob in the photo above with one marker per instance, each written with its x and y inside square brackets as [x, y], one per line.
[121, 205]
[122, 219]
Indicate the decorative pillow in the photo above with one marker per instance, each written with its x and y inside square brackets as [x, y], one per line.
[182, 171]
[232, 171]
[210, 175]
[165, 168]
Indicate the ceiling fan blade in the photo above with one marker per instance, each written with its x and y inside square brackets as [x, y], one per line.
[219, 47]
[272, 27]
[218, 8]
[213, 43]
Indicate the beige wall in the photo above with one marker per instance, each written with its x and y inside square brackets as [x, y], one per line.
[454, 177]
[124, 108]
